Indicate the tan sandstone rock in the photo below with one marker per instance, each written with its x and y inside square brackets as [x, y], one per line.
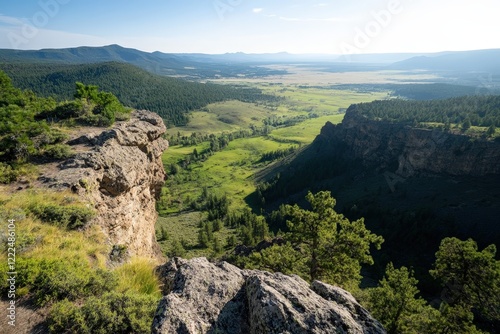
[120, 172]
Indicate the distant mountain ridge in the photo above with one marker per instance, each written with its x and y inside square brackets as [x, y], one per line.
[194, 66]
[477, 60]
[199, 65]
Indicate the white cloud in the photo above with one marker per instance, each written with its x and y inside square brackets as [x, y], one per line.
[311, 19]
[257, 10]
[10, 20]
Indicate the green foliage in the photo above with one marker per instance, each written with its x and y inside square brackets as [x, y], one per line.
[65, 271]
[58, 151]
[471, 278]
[177, 249]
[279, 258]
[252, 228]
[7, 174]
[169, 97]
[277, 154]
[104, 106]
[466, 110]
[491, 130]
[52, 280]
[217, 246]
[68, 216]
[21, 136]
[110, 313]
[456, 319]
[163, 235]
[395, 305]
[466, 125]
[334, 247]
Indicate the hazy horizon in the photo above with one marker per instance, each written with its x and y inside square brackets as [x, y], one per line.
[253, 27]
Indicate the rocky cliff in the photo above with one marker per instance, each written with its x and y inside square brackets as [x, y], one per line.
[407, 151]
[202, 297]
[120, 172]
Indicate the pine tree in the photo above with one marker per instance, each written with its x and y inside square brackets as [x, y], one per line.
[395, 305]
[334, 247]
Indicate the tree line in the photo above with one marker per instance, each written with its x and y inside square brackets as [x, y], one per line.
[474, 110]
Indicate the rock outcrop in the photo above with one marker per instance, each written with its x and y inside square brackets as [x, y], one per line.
[408, 151]
[202, 297]
[120, 172]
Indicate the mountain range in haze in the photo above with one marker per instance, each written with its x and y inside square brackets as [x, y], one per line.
[214, 65]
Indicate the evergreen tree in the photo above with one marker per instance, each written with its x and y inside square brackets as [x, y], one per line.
[334, 247]
[395, 305]
[471, 278]
[491, 130]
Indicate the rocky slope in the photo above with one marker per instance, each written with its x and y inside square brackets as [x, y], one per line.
[201, 297]
[120, 172]
[408, 151]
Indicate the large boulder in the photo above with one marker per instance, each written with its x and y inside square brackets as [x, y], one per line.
[203, 297]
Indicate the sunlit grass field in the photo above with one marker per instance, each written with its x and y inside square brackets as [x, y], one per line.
[305, 132]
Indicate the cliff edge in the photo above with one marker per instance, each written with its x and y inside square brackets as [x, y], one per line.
[203, 297]
[120, 172]
[408, 150]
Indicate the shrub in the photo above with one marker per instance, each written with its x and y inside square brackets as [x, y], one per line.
[7, 174]
[52, 279]
[70, 216]
[58, 151]
[111, 313]
[71, 109]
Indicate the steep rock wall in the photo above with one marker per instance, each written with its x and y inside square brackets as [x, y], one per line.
[120, 172]
[408, 150]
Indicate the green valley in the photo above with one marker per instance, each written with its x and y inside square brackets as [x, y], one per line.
[231, 171]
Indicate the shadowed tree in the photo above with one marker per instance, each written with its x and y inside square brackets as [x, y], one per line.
[334, 247]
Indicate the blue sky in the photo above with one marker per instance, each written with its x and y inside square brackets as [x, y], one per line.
[253, 26]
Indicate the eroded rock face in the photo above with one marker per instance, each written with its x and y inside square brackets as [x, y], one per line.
[203, 297]
[410, 151]
[121, 173]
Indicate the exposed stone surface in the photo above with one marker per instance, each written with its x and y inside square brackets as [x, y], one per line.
[203, 297]
[121, 173]
[382, 144]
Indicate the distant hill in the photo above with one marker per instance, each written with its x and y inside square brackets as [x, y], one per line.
[171, 98]
[463, 61]
[196, 66]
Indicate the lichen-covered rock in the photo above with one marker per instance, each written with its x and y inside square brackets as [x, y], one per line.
[220, 298]
[120, 172]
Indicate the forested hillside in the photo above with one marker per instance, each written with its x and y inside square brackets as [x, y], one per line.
[475, 110]
[360, 163]
[169, 97]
